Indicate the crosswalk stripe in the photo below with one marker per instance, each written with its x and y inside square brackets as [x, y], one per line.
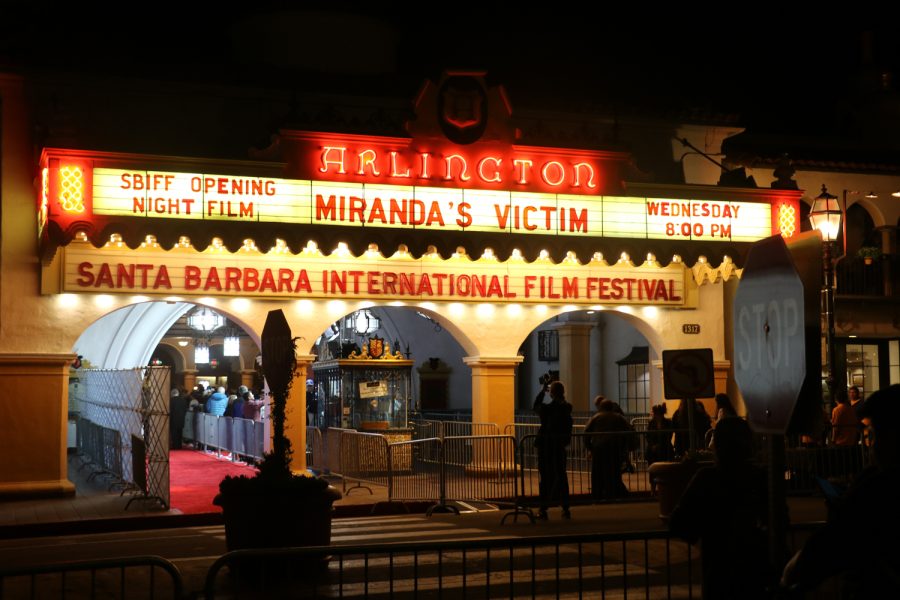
[405, 534]
[379, 520]
[400, 527]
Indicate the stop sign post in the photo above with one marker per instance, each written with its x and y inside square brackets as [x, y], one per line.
[773, 328]
[769, 343]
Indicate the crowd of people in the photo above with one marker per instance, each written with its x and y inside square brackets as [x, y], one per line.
[241, 403]
[726, 506]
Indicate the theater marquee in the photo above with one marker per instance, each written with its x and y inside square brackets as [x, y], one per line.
[201, 196]
[310, 274]
[358, 182]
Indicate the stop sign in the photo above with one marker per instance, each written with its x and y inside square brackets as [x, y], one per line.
[769, 344]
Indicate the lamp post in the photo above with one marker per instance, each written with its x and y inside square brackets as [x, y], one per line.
[825, 216]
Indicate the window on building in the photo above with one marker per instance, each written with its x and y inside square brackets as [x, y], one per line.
[862, 367]
[634, 381]
[894, 354]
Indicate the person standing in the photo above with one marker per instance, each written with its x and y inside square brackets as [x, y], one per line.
[553, 437]
[724, 408]
[608, 444]
[217, 402]
[681, 421]
[859, 542]
[659, 436]
[178, 404]
[844, 423]
[726, 509]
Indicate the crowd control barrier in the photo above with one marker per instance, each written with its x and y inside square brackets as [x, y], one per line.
[242, 438]
[120, 578]
[315, 449]
[364, 459]
[423, 479]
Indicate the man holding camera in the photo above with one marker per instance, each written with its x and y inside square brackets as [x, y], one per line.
[553, 437]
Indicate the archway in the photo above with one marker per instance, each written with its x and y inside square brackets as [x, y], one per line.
[608, 352]
[411, 347]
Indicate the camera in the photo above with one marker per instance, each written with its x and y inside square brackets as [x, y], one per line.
[548, 378]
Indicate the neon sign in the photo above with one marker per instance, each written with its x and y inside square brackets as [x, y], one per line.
[484, 170]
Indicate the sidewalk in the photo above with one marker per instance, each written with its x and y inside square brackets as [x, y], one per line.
[94, 509]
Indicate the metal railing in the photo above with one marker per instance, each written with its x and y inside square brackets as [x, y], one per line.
[649, 564]
[633, 565]
[364, 458]
[315, 449]
[880, 279]
[425, 428]
[422, 478]
[242, 438]
[124, 578]
[503, 470]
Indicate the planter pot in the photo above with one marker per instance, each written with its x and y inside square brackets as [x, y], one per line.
[867, 260]
[286, 519]
[671, 479]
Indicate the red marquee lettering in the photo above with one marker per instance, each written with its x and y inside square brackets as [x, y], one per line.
[86, 277]
[232, 279]
[191, 277]
[212, 280]
[162, 279]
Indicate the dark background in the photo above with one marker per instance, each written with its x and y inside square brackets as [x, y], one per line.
[776, 72]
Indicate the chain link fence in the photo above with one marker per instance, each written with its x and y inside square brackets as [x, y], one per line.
[124, 426]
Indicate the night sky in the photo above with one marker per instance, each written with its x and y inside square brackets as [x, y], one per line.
[777, 74]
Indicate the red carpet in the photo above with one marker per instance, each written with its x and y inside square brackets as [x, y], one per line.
[194, 479]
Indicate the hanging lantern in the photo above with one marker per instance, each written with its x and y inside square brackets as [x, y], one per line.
[201, 353]
[365, 322]
[231, 345]
[205, 319]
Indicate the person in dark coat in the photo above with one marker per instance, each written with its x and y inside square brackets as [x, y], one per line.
[609, 447]
[553, 437]
[725, 508]
[681, 421]
[178, 404]
[859, 542]
[659, 436]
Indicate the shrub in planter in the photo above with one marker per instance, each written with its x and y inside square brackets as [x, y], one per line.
[277, 508]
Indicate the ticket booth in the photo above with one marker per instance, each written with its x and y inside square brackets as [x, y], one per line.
[365, 393]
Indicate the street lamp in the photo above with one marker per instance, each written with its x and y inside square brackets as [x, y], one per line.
[825, 216]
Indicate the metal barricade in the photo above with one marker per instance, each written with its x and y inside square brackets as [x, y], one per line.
[421, 479]
[223, 435]
[120, 578]
[364, 459]
[244, 439]
[193, 429]
[838, 464]
[315, 449]
[333, 449]
[590, 565]
[465, 429]
[579, 465]
[480, 469]
[426, 429]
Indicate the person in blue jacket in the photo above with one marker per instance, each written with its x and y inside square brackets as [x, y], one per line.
[217, 402]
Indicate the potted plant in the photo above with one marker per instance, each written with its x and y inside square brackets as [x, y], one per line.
[869, 253]
[277, 508]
